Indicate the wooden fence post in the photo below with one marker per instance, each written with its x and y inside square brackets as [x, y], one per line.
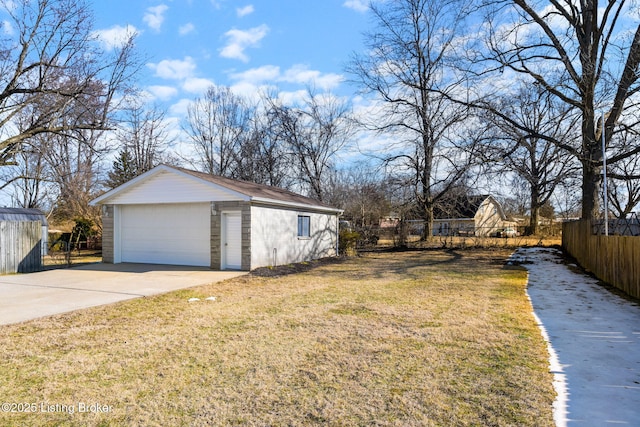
[613, 259]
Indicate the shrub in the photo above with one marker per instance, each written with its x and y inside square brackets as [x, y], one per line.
[348, 242]
[81, 233]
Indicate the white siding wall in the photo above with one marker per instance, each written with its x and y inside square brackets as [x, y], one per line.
[446, 227]
[277, 229]
[168, 187]
[488, 219]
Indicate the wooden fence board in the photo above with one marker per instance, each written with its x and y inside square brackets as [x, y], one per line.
[20, 246]
[613, 259]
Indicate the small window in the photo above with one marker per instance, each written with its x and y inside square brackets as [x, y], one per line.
[304, 226]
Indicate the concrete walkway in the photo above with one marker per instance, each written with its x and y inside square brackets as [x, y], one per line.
[29, 296]
[594, 342]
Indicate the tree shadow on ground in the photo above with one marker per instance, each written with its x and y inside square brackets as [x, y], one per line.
[410, 263]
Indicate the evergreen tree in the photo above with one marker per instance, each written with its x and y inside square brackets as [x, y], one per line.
[123, 170]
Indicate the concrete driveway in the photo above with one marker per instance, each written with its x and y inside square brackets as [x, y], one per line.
[29, 296]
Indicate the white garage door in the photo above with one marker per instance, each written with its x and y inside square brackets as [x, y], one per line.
[166, 234]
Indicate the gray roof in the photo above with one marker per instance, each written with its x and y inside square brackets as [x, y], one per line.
[22, 214]
[250, 191]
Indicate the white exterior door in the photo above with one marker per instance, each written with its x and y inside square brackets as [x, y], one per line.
[178, 234]
[231, 243]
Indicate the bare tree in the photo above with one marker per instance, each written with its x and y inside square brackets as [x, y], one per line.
[144, 136]
[624, 195]
[75, 163]
[28, 180]
[261, 156]
[50, 62]
[407, 67]
[65, 164]
[540, 164]
[623, 191]
[235, 138]
[361, 192]
[217, 123]
[586, 54]
[567, 200]
[313, 133]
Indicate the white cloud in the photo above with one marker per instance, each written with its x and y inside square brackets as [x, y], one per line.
[141, 97]
[181, 70]
[252, 91]
[294, 98]
[186, 29]
[297, 75]
[244, 11]
[155, 16]
[357, 5]
[180, 108]
[163, 92]
[115, 36]
[301, 74]
[174, 69]
[7, 28]
[10, 5]
[258, 75]
[197, 85]
[239, 40]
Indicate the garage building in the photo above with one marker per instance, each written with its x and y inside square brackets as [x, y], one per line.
[177, 216]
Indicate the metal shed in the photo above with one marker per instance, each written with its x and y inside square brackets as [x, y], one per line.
[23, 240]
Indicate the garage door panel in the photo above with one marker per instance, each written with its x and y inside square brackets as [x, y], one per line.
[166, 234]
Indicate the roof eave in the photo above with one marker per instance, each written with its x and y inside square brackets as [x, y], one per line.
[454, 219]
[129, 184]
[300, 206]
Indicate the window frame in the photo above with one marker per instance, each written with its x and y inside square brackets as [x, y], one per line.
[304, 232]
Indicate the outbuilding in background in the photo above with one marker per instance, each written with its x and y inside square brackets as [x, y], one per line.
[23, 240]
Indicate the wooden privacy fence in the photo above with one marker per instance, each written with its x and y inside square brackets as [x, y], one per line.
[20, 246]
[613, 259]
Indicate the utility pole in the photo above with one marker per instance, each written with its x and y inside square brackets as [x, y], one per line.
[605, 196]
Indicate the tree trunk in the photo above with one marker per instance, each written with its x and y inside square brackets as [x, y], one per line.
[534, 221]
[591, 180]
[592, 156]
[427, 217]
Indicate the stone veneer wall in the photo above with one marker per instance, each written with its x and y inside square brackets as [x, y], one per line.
[107, 234]
[216, 230]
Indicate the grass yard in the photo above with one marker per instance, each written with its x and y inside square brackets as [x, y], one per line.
[60, 259]
[418, 338]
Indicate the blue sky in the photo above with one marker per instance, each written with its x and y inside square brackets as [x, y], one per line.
[188, 45]
[249, 45]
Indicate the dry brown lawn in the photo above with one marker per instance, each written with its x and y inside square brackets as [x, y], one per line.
[457, 242]
[60, 259]
[424, 338]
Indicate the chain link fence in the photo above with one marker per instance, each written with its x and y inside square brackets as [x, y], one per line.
[618, 226]
[409, 234]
